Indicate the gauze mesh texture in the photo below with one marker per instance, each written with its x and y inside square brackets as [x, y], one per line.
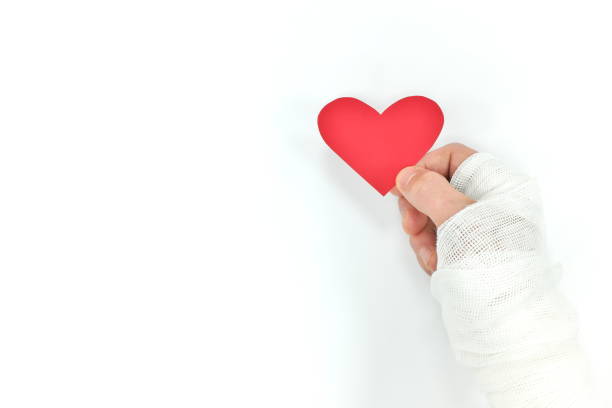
[498, 292]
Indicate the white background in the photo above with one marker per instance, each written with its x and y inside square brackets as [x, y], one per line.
[174, 233]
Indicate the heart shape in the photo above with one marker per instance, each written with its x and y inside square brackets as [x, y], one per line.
[378, 145]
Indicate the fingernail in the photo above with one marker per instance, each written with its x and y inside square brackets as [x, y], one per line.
[425, 256]
[404, 177]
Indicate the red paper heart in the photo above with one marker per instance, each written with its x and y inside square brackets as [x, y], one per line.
[378, 145]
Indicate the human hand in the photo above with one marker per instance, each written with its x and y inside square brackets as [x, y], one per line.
[505, 318]
[426, 199]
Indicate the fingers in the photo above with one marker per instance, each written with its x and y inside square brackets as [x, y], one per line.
[413, 221]
[424, 246]
[422, 233]
[426, 199]
[446, 159]
[430, 193]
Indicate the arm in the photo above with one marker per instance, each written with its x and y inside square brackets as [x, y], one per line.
[497, 289]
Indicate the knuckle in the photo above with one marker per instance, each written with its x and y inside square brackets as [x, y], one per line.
[406, 226]
[456, 145]
[420, 181]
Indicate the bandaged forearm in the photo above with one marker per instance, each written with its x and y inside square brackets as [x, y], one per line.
[503, 312]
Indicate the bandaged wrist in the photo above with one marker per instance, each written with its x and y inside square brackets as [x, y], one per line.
[504, 315]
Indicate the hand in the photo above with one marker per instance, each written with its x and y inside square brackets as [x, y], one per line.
[426, 199]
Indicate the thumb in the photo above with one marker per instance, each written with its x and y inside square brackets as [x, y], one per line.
[430, 193]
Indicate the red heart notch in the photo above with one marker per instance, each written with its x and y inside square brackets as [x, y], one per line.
[378, 145]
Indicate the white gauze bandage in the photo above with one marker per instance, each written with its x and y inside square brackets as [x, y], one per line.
[498, 291]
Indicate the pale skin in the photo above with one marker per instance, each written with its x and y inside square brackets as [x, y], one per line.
[426, 199]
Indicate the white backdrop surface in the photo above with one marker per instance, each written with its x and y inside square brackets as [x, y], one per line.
[174, 232]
